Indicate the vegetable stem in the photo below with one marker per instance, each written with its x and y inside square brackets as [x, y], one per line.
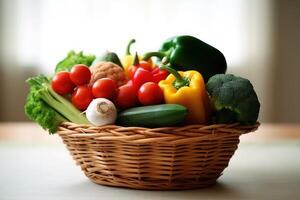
[136, 59]
[159, 54]
[127, 52]
[180, 81]
[65, 108]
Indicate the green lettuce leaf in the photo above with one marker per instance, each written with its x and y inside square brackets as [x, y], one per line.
[72, 59]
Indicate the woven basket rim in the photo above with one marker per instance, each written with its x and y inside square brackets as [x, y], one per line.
[142, 135]
[202, 126]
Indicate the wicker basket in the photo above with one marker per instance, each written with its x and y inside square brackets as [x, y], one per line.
[158, 159]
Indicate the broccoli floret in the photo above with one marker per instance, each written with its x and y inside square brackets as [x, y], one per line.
[48, 108]
[72, 59]
[234, 99]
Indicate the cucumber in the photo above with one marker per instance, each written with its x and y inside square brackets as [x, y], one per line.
[153, 116]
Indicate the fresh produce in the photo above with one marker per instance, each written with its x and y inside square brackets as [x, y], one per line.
[145, 65]
[159, 74]
[47, 108]
[107, 70]
[109, 56]
[234, 99]
[86, 90]
[162, 115]
[127, 60]
[150, 94]
[133, 68]
[62, 84]
[126, 96]
[80, 74]
[82, 97]
[140, 77]
[189, 53]
[141, 72]
[187, 89]
[104, 88]
[101, 112]
[136, 65]
[73, 59]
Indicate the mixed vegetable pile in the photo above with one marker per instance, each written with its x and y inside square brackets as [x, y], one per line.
[186, 85]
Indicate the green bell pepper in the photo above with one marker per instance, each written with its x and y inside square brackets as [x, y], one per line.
[189, 53]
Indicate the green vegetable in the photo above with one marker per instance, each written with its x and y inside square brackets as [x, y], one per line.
[37, 110]
[48, 108]
[234, 99]
[109, 57]
[189, 53]
[72, 59]
[153, 116]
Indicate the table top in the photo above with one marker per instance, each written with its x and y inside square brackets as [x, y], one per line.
[35, 165]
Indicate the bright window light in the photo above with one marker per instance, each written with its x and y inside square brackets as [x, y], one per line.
[48, 29]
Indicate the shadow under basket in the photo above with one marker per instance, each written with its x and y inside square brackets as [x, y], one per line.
[158, 159]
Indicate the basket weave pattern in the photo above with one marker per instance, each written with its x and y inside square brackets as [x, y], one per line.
[161, 159]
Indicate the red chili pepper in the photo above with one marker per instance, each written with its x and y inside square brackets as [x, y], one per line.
[158, 74]
[132, 69]
[140, 77]
[142, 72]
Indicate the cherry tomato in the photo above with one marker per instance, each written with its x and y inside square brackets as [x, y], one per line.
[80, 74]
[62, 84]
[82, 97]
[126, 96]
[150, 94]
[104, 88]
[141, 76]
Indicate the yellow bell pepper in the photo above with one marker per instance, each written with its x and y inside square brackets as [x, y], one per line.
[187, 89]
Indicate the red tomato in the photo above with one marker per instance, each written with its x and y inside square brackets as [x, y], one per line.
[62, 84]
[126, 97]
[150, 94]
[146, 65]
[104, 88]
[141, 76]
[80, 74]
[82, 97]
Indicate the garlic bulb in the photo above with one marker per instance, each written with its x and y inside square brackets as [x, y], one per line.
[101, 112]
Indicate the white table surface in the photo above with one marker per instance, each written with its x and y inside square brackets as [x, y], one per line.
[263, 170]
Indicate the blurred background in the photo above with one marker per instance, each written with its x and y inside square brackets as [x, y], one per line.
[259, 38]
